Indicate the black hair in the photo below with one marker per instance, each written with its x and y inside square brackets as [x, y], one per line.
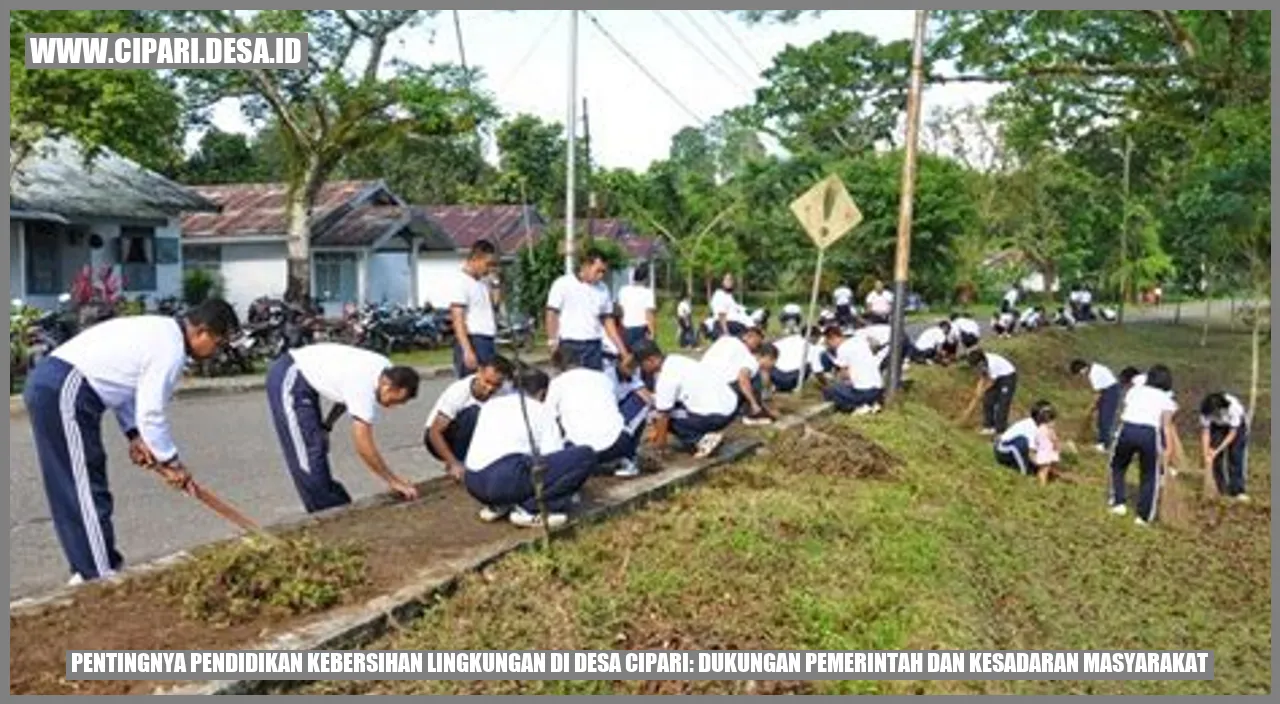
[945, 325]
[1043, 412]
[1127, 374]
[564, 359]
[482, 248]
[646, 349]
[767, 350]
[832, 331]
[1214, 403]
[532, 381]
[215, 315]
[1078, 365]
[402, 377]
[976, 358]
[591, 256]
[500, 364]
[1160, 377]
[640, 273]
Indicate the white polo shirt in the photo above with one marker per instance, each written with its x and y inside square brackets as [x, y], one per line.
[998, 366]
[1011, 296]
[842, 296]
[1101, 378]
[343, 374]
[586, 404]
[931, 338]
[880, 303]
[133, 363]
[685, 381]
[456, 398]
[1026, 429]
[501, 431]
[727, 357]
[792, 309]
[684, 308]
[636, 301]
[1086, 297]
[581, 306]
[1144, 405]
[965, 326]
[622, 387]
[790, 353]
[880, 334]
[1232, 417]
[473, 294]
[1029, 316]
[864, 369]
[1005, 320]
[846, 355]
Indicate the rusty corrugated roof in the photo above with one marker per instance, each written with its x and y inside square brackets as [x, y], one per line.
[637, 245]
[258, 209]
[503, 225]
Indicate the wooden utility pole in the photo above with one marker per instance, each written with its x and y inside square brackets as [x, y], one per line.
[905, 206]
[1124, 233]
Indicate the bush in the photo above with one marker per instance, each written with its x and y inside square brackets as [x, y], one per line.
[199, 285]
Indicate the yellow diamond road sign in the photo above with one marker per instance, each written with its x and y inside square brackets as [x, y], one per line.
[826, 211]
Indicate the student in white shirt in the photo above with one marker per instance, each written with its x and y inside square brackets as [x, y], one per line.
[742, 363]
[684, 318]
[842, 298]
[879, 304]
[687, 402]
[1064, 318]
[500, 467]
[997, 382]
[580, 313]
[966, 330]
[785, 375]
[1004, 323]
[452, 422]
[931, 343]
[1010, 300]
[639, 321]
[1031, 318]
[1029, 445]
[1106, 400]
[727, 317]
[791, 318]
[859, 384]
[585, 402]
[1131, 377]
[1224, 443]
[1086, 305]
[471, 310]
[1145, 424]
[130, 366]
[357, 382]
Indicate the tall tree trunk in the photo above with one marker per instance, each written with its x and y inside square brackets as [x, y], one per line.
[1204, 330]
[298, 274]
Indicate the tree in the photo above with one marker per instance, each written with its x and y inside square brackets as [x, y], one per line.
[137, 114]
[223, 157]
[331, 110]
[420, 169]
[531, 156]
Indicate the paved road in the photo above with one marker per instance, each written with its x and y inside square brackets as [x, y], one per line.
[232, 449]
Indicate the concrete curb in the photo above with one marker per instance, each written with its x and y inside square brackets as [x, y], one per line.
[239, 385]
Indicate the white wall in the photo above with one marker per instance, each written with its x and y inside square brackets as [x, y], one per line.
[388, 277]
[1035, 283]
[433, 270]
[250, 271]
[15, 260]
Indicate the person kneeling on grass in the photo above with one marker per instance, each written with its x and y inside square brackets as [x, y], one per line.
[687, 402]
[1106, 401]
[452, 422]
[1031, 445]
[1224, 442]
[742, 363]
[933, 344]
[585, 404]
[965, 331]
[997, 382]
[859, 384]
[1146, 423]
[785, 375]
[500, 461]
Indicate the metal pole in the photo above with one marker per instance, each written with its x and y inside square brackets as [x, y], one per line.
[813, 304]
[903, 258]
[571, 126]
[1124, 233]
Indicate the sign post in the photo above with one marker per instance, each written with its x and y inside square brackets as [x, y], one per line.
[827, 213]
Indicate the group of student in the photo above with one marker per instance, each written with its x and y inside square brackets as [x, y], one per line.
[500, 422]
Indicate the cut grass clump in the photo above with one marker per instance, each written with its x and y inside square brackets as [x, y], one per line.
[236, 583]
[829, 448]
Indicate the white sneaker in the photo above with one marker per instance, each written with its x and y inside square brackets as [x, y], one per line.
[862, 410]
[1140, 522]
[1242, 498]
[756, 420]
[1119, 510]
[1102, 449]
[524, 519]
[987, 431]
[875, 408]
[489, 514]
[1173, 471]
[628, 469]
[708, 445]
[75, 579]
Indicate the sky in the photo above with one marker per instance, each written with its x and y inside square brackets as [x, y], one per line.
[525, 59]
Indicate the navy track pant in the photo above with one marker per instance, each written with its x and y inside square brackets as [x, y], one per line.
[295, 412]
[507, 482]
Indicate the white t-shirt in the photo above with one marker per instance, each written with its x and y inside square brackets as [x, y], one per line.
[1074, 297]
[343, 374]
[965, 326]
[1011, 296]
[790, 353]
[932, 338]
[1100, 377]
[456, 398]
[1144, 405]
[636, 301]
[586, 403]
[723, 303]
[842, 296]
[1139, 380]
[998, 366]
[581, 306]
[880, 303]
[685, 381]
[727, 357]
[846, 355]
[880, 334]
[1030, 316]
[1232, 417]
[864, 369]
[622, 387]
[1025, 428]
[501, 431]
[792, 309]
[1005, 320]
[684, 308]
[473, 294]
[1086, 297]
[133, 363]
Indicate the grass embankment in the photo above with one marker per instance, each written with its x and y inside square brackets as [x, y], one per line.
[792, 550]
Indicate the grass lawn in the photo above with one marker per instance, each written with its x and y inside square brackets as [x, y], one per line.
[792, 551]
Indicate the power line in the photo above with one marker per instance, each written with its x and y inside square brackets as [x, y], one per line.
[710, 40]
[737, 40]
[636, 62]
[555, 19]
[693, 45]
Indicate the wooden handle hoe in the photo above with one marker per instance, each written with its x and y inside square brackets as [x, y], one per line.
[224, 509]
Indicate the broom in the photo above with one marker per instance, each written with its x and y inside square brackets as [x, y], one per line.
[1173, 499]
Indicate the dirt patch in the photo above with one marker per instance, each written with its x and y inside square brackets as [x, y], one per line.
[832, 449]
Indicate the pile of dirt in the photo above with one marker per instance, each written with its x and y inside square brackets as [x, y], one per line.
[239, 582]
[832, 449]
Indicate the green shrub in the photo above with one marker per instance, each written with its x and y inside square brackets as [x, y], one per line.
[199, 285]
